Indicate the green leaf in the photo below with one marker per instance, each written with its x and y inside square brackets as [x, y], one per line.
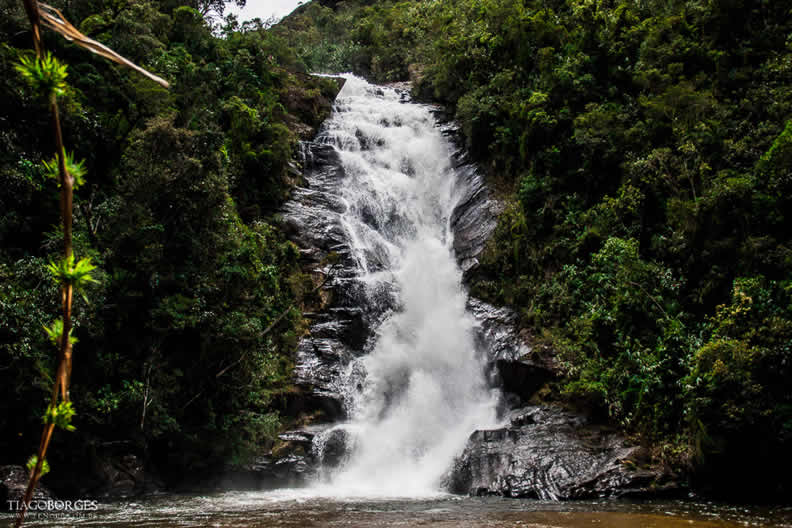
[33, 460]
[46, 75]
[75, 168]
[60, 415]
[66, 271]
[56, 331]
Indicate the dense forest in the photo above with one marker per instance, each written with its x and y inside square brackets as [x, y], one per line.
[184, 343]
[642, 150]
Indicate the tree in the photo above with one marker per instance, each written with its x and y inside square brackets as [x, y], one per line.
[216, 6]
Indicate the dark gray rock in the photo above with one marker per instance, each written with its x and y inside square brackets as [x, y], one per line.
[334, 448]
[118, 474]
[301, 438]
[319, 368]
[292, 463]
[347, 324]
[515, 365]
[497, 332]
[474, 218]
[267, 472]
[296, 461]
[311, 218]
[13, 483]
[553, 454]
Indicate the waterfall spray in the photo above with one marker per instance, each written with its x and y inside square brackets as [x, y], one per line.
[421, 390]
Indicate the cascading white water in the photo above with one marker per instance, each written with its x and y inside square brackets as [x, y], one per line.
[420, 392]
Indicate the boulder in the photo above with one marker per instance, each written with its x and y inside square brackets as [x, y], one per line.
[115, 474]
[552, 454]
[334, 448]
[292, 463]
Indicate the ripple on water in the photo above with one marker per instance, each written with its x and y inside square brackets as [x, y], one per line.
[307, 508]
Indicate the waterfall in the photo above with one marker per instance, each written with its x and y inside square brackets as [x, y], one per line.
[421, 390]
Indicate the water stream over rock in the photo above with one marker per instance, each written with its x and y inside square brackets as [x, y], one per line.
[415, 387]
[419, 388]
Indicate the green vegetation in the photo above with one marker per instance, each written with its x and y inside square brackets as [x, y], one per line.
[47, 77]
[644, 153]
[191, 305]
[642, 149]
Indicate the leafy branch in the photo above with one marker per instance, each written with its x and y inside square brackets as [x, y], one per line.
[47, 77]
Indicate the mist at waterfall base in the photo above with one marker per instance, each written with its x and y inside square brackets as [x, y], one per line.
[420, 391]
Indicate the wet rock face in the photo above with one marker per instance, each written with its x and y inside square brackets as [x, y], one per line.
[476, 214]
[552, 454]
[515, 366]
[312, 219]
[473, 219]
[294, 463]
[334, 448]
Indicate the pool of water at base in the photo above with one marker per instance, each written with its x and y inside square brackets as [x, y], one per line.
[312, 508]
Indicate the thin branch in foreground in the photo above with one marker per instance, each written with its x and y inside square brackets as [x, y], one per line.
[42, 14]
[53, 19]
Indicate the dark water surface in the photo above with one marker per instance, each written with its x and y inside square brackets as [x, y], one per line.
[301, 508]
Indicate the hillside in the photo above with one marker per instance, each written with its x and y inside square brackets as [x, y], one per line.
[176, 364]
[643, 151]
